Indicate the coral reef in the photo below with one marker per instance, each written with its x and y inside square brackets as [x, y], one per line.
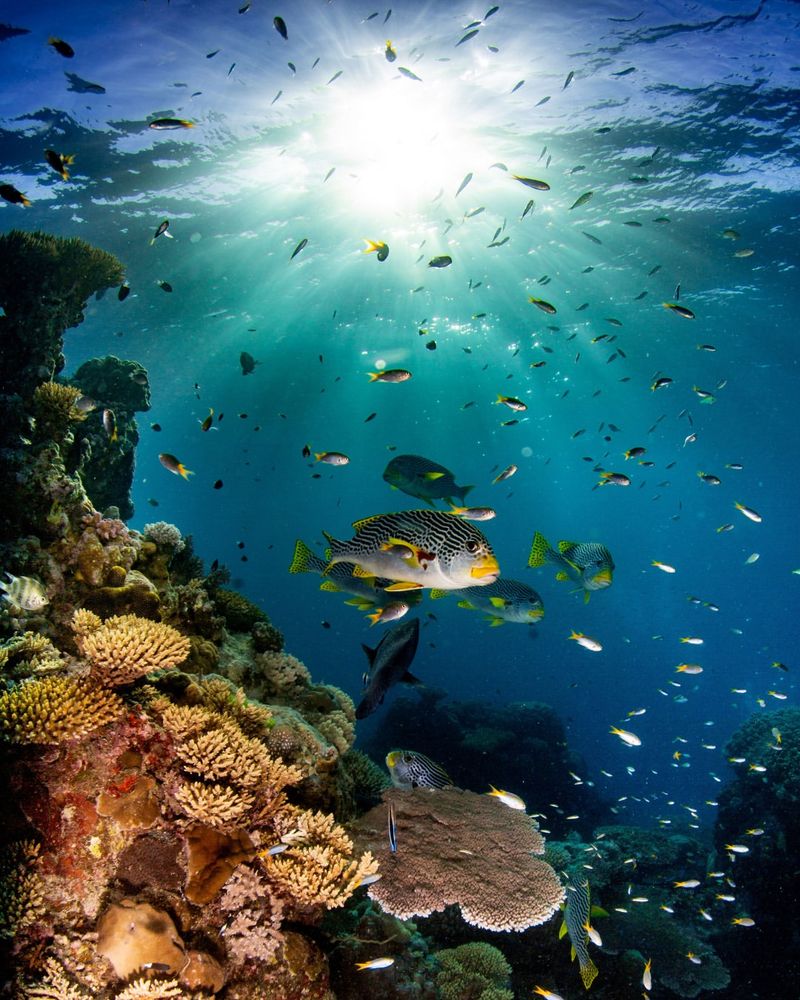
[459, 847]
[21, 895]
[125, 647]
[53, 709]
[55, 411]
[164, 535]
[474, 971]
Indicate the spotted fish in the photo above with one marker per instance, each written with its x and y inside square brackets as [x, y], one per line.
[576, 919]
[366, 591]
[409, 769]
[505, 600]
[418, 548]
[588, 563]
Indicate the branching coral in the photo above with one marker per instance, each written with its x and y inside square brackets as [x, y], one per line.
[165, 535]
[279, 673]
[54, 709]
[21, 888]
[319, 867]
[55, 986]
[125, 647]
[476, 970]
[151, 989]
[220, 696]
[55, 410]
[254, 930]
[29, 653]
[458, 847]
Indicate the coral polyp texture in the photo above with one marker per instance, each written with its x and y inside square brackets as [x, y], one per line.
[456, 846]
[54, 709]
[125, 647]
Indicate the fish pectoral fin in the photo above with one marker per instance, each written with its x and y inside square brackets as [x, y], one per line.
[403, 585]
[562, 930]
[499, 602]
[409, 678]
[572, 953]
[432, 475]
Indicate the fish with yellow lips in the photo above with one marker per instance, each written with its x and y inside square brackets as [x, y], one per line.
[416, 549]
[588, 563]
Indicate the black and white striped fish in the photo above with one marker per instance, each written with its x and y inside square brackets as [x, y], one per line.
[409, 769]
[576, 919]
[418, 548]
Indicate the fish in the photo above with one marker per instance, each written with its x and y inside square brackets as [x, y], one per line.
[467, 37]
[527, 209]
[390, 613]
[390, 375]
[746, 252]
[124, 291]
[463, 184]
[689, 883]
[507, 798]
[390, 52]
[505, 600]
[679, 310]
[531, 182]
[23, 593]
[392, 825]
[205, 424]
[61, 47]
[80, 86]
[300, 246]
[540, 991]
[171, 464]
[340, 579]
[59, 162]
[709, 478]
[375, 963]
[475, 513]
[165, 286]
[110, 425]
[647, 978]
[420, 477]
[167, 124]
[280, 26]
[378, 247]
[582, 200]
[248, 363]
[586, 641]
[162, 230]
[388, 664]
[512, 403]
[10, 194]
[407, 73]
[409, 769]
[631, 739]
[749, 513]
[331, 457]
[576, 917]
[569, 79]
[272, 851]
[588, 563]
[419, 548]
[507, 473]
[614, 479]
[546, 307]
[443, 261]
[743, 921]
[517, 85]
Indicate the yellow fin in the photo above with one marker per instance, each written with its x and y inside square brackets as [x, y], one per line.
[433, 475]
[586, 596]
[572, 953]
[362, 574]
[598, 911]
[358, 525]
[330, 586]
[562, 930]
[563, 546]
[498, 602]
[588, 973]
[561, 575]
[395, 587]
[494, 621]
[467, 604]
[437, 593]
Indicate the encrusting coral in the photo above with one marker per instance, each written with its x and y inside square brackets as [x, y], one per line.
[125, 647]
[464, 848]
[55, 708]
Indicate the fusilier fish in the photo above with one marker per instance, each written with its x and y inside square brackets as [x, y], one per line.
[588, 563]
[418, 548]
[422, 478]
[388, 664]
[23, 593]
[409, 769]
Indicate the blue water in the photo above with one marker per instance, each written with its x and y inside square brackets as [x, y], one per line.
[707, 117]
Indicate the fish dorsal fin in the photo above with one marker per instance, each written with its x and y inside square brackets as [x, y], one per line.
[403, 585]
[436, 593]
[362, 574]
[358, 525]
[369, 653]
[330, 586]
[564, 546]
[409, 678]
[562, 930]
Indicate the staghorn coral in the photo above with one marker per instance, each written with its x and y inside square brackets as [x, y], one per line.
[126, 647]
[319, 867]
[21, 888]
[54, 709]
[151, 989]
[221, 696]
[55, 410]
[459, 847]
[473, 971]
[215, 804]
[29, 653]
[55, 986]
[254, 930]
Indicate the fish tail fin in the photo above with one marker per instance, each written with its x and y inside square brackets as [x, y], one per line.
[373, 376]
[540, 551]
[182, 470]
[436, 593]
[374, 618]
[304, 560]
[589, 973]
[462, 492]
[371, 247]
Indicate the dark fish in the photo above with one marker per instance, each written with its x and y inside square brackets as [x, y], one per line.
[300, 246]
[594, 239]
[161, 231]
[168, 124]
[231, 68]
[390, 52]
[466, 38]
[443, 261]
[569, 79]
[431, 345]
[544, 100]
[218, 484]
[110, 425]
[210, 55]
[248, 363]
[463, 184]
[392, 821]
[489, 12]
[165, 286]
[335, 76]
[528, 208]
[517, 86]
[10, 193]
[280, 27]
[9, 31]
[61, 47]
[625, 72]
[388, 664]
[124, 291]
[409, 74]
[80, 86]
[59, 162]
[532, 183]
[155, 427]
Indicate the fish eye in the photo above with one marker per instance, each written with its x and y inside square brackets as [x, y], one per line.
[406, 758]
[472, 546]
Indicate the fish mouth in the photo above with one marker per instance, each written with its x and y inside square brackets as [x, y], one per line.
[485, 568]
[602, 579]
[535, 615]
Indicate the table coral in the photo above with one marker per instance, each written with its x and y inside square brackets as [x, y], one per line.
[125, 647]
[54, 709]
[458, 847]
